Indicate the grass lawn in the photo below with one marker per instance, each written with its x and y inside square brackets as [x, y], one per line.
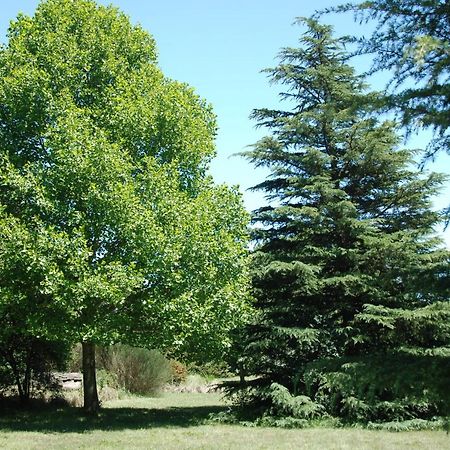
[179, 421]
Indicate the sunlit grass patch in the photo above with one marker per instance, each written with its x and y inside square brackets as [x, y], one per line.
[181, 421]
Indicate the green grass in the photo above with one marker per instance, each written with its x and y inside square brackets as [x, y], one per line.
[180, 421]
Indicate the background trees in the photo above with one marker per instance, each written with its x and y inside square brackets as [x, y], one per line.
[111, 231]
[350, 284]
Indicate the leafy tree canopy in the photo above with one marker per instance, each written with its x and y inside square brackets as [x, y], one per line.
[110, 228]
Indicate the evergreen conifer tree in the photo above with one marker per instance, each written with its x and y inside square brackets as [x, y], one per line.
[411, 41]
[350, 284]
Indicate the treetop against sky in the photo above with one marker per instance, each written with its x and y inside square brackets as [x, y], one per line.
[220, 50]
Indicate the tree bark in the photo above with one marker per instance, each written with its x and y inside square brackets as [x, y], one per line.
[91, 402]
[241, 374]
[12, 362]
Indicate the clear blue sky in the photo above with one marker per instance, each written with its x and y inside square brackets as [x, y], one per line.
[219, 47]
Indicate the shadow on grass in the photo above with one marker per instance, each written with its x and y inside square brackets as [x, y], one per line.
[73, 420]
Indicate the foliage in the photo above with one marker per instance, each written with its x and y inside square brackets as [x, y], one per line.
[27, 363]
[137, 370]
[412, 40]
[106, 378]
[110, 229]
[75, 362]
[179, 371]
[210, 369]
[346, 269]
[381, 388]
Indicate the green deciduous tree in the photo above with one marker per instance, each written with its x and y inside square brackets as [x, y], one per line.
[412, 40]
[346, 271]
[110, 228]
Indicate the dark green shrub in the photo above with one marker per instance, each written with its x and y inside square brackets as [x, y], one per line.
[400, 388]
[381, 388]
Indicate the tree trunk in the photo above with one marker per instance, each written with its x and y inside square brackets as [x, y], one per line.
[91, 402]
[241, 374]
[12, 362]
[28, 373]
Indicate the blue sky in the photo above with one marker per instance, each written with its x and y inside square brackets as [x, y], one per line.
[220, 47]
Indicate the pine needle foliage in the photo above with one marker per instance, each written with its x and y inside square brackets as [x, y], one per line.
[411, 40]
[351, 286]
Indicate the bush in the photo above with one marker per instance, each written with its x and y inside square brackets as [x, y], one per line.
[74, 363]
[179, 371]
[397, 390]
[138, 370]
[381, 388]
[210, 370]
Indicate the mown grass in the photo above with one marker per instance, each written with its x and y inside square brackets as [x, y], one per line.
[180, 421]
